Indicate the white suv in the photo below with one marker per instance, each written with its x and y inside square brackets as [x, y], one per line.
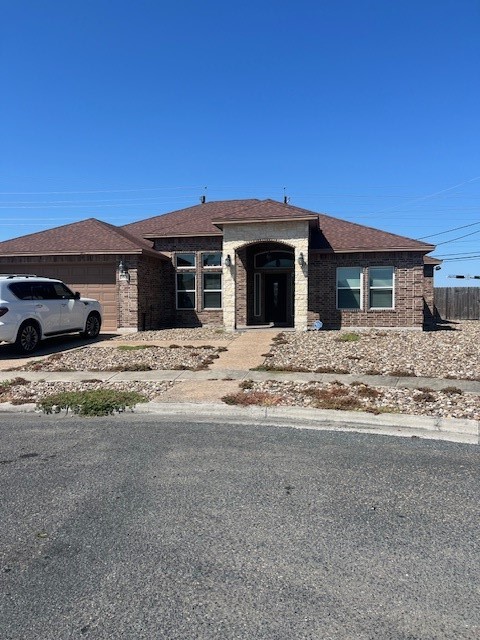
[34, 307]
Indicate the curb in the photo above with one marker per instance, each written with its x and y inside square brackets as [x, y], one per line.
[402, 425]
[406, 425]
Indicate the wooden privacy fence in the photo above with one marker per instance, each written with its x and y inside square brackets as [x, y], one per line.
[457, 303]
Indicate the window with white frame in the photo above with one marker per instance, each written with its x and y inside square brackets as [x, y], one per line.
[212, 290]
[349, 287]
[186, 290]
[211, 260]
[380, 287]
[185, 260]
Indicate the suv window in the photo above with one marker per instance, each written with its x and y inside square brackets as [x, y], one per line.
[22, 290]
[62, 291]
[43, 291]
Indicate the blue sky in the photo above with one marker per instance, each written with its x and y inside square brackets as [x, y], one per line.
[367, 110]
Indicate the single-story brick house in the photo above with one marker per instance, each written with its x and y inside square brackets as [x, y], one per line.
[236, 263]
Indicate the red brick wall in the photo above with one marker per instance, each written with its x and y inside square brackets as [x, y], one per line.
[186, 317]
[410, 290]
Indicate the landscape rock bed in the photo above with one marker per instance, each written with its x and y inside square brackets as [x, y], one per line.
[450, 403]
[116, 358]
[179, 334]
[444, 353]
[19, 392]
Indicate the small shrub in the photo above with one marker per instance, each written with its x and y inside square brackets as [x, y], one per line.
[345, 403]
[424, 397]
[365, 391]
[348, 337]
[425, 389]
[256, 397]
[133, 347]
[401, 373]
[373, 372]
[54, 357]
[134, 366]
[452, 391]
[6, 386]
[338, 370]
[246, 384]
[102, 402]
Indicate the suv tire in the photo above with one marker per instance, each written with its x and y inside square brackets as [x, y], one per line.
[28, 337]
[92, 326]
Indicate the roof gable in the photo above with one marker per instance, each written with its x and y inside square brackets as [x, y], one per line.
[86, 236]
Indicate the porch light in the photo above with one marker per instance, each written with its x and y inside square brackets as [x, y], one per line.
[228, 261]
[301, 260]
[123, 272]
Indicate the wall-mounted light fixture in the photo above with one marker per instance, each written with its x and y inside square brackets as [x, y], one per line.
[228, 261]
[301, 260]
[123, 272]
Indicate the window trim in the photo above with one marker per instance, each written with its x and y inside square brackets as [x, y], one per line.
[186, 253]
[391, 288]
[360, 288]
[287, 251]
[211, 266]
[194, 291]
[220, 291]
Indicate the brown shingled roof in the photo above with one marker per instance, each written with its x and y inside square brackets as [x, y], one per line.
[96, 237]
[87, 236]
[196, 220]
[328, 233]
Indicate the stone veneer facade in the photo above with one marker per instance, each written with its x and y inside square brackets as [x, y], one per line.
[293, 234]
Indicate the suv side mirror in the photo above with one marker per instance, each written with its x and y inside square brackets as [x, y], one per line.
[76, 295]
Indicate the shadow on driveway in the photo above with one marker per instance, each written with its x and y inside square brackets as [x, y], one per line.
[49, 346]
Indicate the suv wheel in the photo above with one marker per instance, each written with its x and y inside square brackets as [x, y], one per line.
[28, 337]
[92, 326]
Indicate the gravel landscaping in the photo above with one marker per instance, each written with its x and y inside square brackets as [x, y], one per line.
[444, 353]
[180, 335]
[19, 391]
[449, 403]
[126, 358]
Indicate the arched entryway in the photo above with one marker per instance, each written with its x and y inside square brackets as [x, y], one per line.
[270, 284]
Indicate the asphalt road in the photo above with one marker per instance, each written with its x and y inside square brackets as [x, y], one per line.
[134, 527]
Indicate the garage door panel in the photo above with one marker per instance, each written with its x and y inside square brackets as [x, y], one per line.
[92, 281]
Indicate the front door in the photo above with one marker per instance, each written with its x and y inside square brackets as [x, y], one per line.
[276, 297]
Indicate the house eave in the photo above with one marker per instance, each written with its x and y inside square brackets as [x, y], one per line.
[223, 221]
[156, 236]
[32, 254]
[424, 249]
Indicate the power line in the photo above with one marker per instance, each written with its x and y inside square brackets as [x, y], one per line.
[36, 193]
[474, 257]
[432, 235]
[431, 195]
[459, 238]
